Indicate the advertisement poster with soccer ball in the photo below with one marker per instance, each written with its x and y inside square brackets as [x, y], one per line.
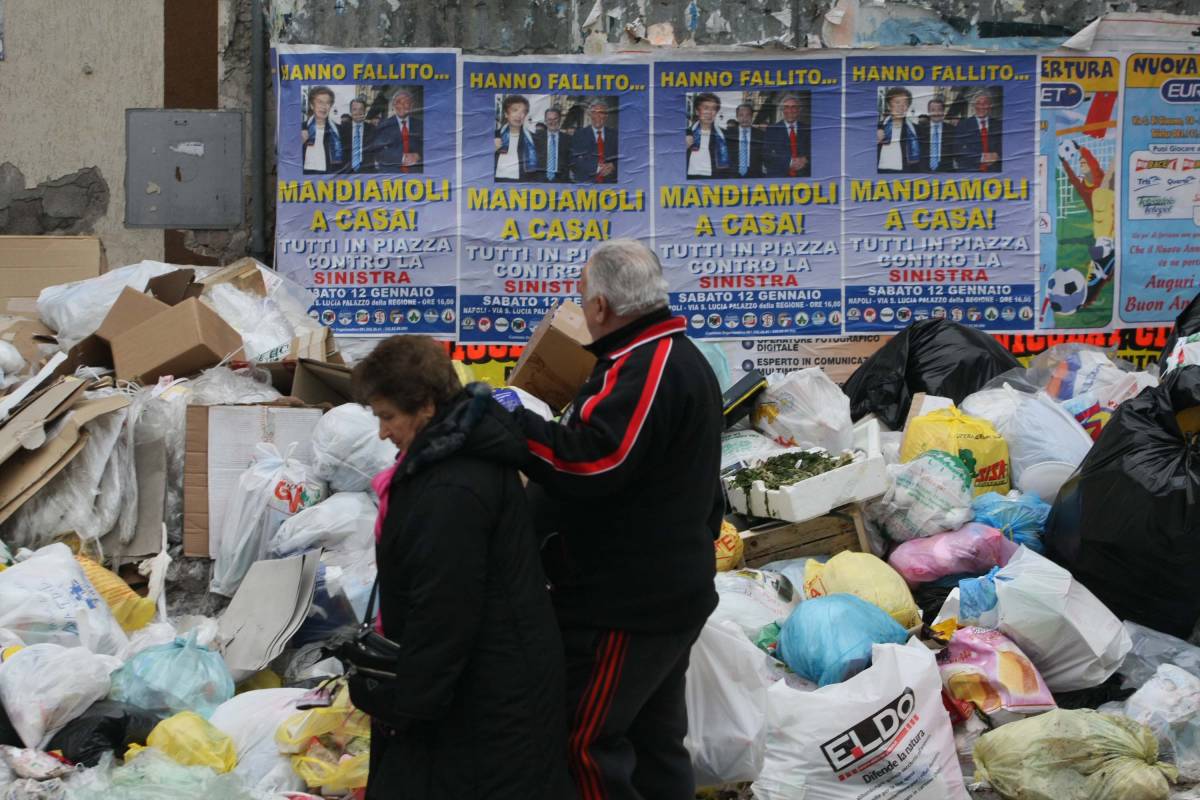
[1078, 163]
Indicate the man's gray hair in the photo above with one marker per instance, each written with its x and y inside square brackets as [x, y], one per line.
[627, 274]
[402, 91]
[598, 101]
[792, 97]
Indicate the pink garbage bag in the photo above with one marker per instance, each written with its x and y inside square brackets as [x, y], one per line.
[970, 550]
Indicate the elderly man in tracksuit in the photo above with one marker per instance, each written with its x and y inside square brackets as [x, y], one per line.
[629, 483]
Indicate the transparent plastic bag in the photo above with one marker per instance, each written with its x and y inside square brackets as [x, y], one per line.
[753, 599]
[270, 491]
[175, 677]
[265, 331]
[928, 495]
[218, 386]
[153, 775]
[1020, 517]
[347, 450]
[805, 409]
[1151, 649]
[45, 686]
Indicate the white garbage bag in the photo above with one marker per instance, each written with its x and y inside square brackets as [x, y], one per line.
[346, 521]
[805, 409]
[251, 719]
[1041, 431]
[75, 310]
[1070, 636]
[273, 489]
[726, 706]
[881, 735]
[45, 686]
[347, 450]
[43, 598]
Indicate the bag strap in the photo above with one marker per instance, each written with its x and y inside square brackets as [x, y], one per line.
[369, 618]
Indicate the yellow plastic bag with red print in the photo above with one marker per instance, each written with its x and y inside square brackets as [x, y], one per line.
[973, 440]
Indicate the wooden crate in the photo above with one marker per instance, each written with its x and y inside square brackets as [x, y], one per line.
[841, 529]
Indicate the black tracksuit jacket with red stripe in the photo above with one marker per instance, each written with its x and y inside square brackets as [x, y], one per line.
[629, 480]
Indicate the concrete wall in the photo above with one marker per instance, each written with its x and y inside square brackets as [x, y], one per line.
[70, 70]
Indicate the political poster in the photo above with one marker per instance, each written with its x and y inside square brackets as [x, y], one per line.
[1160, 234]
[556, 160]
[938, 205]
[366, 201]
[1078, 162]
[747, 167]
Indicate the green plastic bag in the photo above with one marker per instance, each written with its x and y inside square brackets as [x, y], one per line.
[1073, 755]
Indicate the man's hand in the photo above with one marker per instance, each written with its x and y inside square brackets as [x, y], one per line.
[799, 163]
[411, 159]
[989, 158]
[304, 135]
[606, 169]
[879, 136]
[498, 143]
[690, 141]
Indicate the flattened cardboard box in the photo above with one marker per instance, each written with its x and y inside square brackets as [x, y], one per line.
[554, 365]
[29, 264]
[28, 426]
[219, 444]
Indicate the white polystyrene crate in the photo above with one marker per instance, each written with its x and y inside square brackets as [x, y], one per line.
[863, 479]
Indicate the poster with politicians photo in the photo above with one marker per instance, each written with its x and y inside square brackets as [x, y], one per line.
[939, 191]
[747, 167]
[555, 161]
[366, 200]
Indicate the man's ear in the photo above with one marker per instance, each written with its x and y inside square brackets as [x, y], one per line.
[603, 309]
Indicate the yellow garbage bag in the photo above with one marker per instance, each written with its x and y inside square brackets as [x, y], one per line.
[340, 719]
[333, 776]
[132, 611]
[867, 577]
[266, 679]
[973, 440]
[730, 548]
[1073, 755]
[191, 740]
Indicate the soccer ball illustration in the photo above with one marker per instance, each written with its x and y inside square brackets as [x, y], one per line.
[1100, 268]
[1067, 149]
[1067, 289]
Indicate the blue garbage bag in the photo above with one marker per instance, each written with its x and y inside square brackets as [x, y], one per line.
[828, 639]
[976, 596]
[1021, 518]
[169, 678]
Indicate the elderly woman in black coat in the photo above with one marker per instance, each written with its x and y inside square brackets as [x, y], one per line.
[476, 711]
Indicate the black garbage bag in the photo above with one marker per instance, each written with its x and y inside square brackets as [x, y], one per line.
[934, 356]
[1127, 523]
[106, 727]
[1187, 323]
[8, 734]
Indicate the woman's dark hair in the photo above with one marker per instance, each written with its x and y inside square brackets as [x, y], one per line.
[408, 371]
[705, 97]
[896, 91]
[317, 91]
[511, 101]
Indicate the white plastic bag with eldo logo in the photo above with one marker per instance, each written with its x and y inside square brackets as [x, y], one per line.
[274, 488]
[347, 450]
[805, 409]
[727, 706]
[881, 735]
[47, 599]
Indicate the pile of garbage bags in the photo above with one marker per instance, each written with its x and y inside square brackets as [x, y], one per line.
[1014, 617]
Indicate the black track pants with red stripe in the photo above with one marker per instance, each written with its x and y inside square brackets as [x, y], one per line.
[625, 701]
